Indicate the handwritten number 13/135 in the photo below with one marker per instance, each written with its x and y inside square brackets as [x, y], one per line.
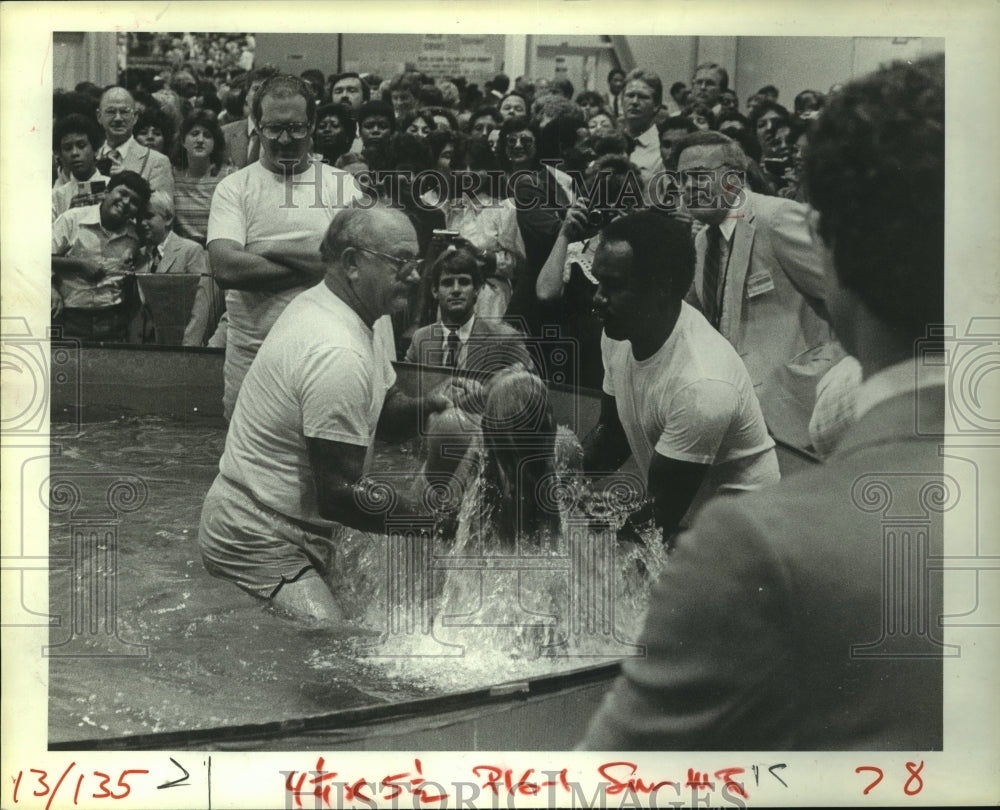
[914, 783]
[104, 783]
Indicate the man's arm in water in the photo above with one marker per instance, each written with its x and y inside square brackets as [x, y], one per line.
[606, 447]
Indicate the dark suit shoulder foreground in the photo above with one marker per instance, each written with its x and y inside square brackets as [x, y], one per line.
[768, 629]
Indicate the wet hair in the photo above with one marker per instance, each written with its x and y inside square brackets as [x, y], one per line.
[651, 79]
[282, 86]
[456, 260]
[734, 156]
[723, 73]
[519, 438]
[207, 120]
[132, 180]
[875, 172]
[76, 123]
[662, 250]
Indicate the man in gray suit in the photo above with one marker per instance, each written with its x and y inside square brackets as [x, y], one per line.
[759, 281]
[796, 618]
[460, 339]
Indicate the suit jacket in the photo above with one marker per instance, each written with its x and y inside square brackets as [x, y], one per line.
[492, 345]
[237, 142]
[182, 255]
[151, 165]
[768, 629]
[772, 310]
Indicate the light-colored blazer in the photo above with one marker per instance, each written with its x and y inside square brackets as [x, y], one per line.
[237, 142]
[772, 310]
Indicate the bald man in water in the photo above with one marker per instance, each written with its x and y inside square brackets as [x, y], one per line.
[319, 392]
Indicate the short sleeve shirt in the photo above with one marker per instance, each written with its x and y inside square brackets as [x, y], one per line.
[321, 373]
[692, 401]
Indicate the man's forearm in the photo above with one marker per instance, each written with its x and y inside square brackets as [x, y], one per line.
[603, 449]
[295, 255]
[241, 270]
[403, 415]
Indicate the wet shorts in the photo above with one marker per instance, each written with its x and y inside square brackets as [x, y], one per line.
[252, 545]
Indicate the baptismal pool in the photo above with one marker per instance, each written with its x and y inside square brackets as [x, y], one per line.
[154, 644]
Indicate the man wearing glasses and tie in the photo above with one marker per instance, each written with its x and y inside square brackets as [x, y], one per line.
[300, 441]
[267, 220]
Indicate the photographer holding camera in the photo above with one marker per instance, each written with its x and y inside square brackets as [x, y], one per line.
[565, 285]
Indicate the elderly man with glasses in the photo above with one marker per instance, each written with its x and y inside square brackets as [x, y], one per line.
[121, 151]
[267, 220]
[301, 438]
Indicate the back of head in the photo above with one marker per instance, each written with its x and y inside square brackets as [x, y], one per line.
[875, 173]
[662, 251]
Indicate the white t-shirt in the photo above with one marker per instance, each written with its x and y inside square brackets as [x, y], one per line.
[253, 205]
[692, 401]
[321, 373]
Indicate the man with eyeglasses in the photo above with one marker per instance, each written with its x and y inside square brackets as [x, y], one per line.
[759, 281]
[267, 220]
[122, 152]
[301, 439]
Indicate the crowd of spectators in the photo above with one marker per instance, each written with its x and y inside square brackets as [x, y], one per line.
[525, 174]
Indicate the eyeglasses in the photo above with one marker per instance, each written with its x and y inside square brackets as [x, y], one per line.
[295, 129]
[514, 140]
[403, 264]
[124, 112]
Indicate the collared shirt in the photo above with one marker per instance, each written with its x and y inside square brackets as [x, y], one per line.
[76, 194]
[464, 332]
[124, 150]
[894, 380]
[79, 234]
[646, 154]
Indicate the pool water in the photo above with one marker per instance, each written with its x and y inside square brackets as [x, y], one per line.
[196, 652]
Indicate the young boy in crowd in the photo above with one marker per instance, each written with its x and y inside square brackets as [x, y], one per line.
[75, 140]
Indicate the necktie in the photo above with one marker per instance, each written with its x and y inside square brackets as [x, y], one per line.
[452, 347]
[253, 148]
[154, 260]
[714, 264]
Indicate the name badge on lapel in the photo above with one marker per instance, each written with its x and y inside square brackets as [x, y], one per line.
[758, 283]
